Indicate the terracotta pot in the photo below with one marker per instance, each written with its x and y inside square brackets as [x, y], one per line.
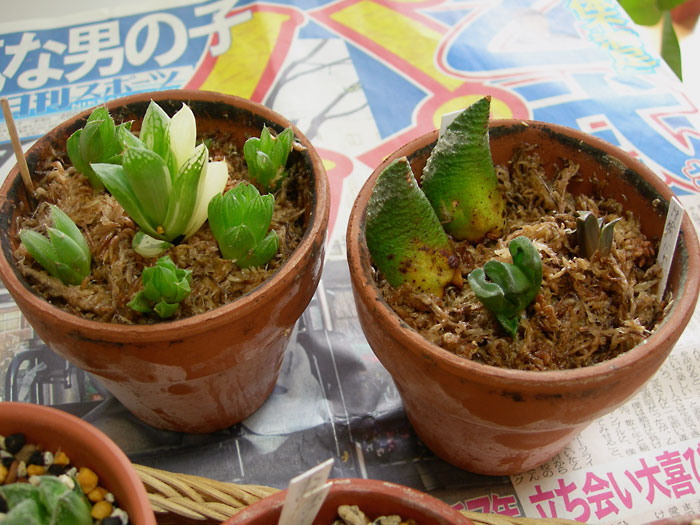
[498, 421]
[86, 446]
[211, 370]
[375, 498]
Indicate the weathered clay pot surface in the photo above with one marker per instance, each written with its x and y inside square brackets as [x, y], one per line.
[86, 446]
[497, 421]
[208, 371]
[375, 498]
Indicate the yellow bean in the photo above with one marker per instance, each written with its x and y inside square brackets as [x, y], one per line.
[101, 510]
[87, 479]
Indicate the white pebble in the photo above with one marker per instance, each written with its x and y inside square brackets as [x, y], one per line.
[122, 515]
[67, 481]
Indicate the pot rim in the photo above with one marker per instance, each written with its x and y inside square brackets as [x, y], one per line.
[355, 487]
[223, 314]
[363, 284]
[84, 433]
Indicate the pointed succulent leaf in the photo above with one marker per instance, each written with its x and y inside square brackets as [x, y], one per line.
[41, 249]
[587, 233]
[459, 178]
[154, 129]
[182, 134]
[183, 197]
[147, 246]
[212, 183]
[116, 182]
[265, 250]
[606, 237]
[150, 182]
[237, 243]
[165, 310]
[126, 138]
[70, 254]
[73, 150]
[282, 148]
[64, 223]
[404, 236]
[510, 287]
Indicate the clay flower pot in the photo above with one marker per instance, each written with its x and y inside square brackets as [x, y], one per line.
[375, 498]
[201, 373]
[499, 421]
[86, 446]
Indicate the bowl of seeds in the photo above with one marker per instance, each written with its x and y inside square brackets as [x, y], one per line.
[56, 468]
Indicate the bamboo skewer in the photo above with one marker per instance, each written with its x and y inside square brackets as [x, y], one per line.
[17, 146]
[201, 499]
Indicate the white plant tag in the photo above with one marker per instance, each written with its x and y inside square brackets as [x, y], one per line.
[669, 239]
[305, 495]
[447, 119]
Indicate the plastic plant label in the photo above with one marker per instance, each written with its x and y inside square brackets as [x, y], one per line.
[669, 239]
[305, 495]
[447, 119]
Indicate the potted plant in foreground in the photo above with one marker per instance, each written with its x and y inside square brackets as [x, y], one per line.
[497, 370]
[373, 498]
[70, 442]
[192, 332]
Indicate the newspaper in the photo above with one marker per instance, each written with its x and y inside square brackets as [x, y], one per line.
[360, 78]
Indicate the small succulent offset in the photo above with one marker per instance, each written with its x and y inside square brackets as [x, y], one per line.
[240, 221]
[513, 286]
[164, 183]
[592, 236]
[65, 254]
[266, 157]
[164, 287]
[99, 141]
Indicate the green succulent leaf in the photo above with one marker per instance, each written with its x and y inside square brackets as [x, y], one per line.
[149, 179]
[267, 156]
[100, 141]
[240, 221]
[164, 287]
[65, 254]
[147, 246]
[117, 183]
[183, 197]
[510, 288]
[154, 130]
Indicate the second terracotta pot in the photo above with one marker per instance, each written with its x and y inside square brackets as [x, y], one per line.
[498, 421]
[202, 373]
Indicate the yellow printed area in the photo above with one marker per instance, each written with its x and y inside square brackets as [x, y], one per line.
[499, 109]
[398, 34]
[328, 164]
[238, 70]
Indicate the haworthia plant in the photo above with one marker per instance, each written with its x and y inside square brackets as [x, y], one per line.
[240, 221]
[164, 287]
[164, 182]
[65, 253]
[266, 157]
[592, 235]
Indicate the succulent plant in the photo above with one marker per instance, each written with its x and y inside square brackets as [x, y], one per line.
[164, 183]
[592, 235]
[512, 287]
[240, 221]
[266, 157]
[99, 141]
[65, 254]
[404, 235]
[164, 287]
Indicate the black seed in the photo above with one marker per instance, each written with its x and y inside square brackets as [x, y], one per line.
[56, 470]
[111, 520]
[36, 458]
[3, 505]
[14, 442]
[7, 461]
